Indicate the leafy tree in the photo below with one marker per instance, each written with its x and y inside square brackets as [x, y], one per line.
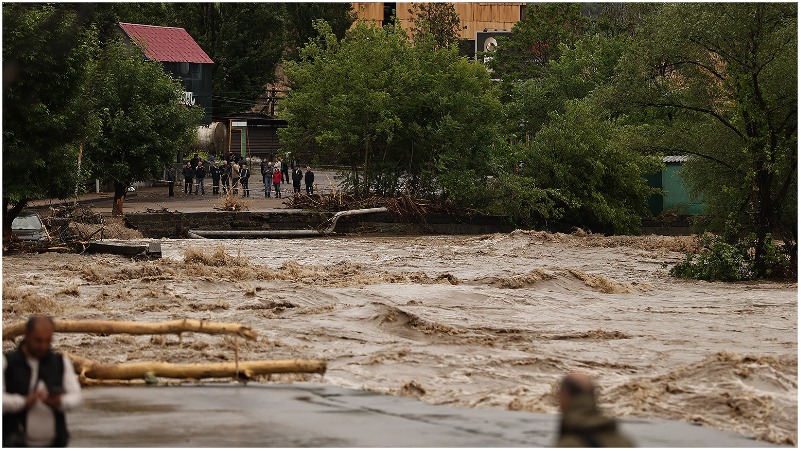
[45, 112]
[105, 16]
[536, 40]
[142, 122]
[616, 19]
[581, 68]
[437, 22]
[589, 159]
[300, 19]
[392, 110]
[724, 77]
[246, 41]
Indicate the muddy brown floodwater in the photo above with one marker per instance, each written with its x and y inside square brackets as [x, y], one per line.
[483, 321]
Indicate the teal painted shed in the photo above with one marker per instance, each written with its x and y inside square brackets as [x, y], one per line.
[676, 197]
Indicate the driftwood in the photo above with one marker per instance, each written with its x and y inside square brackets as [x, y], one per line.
[125, 371]
[12, 331]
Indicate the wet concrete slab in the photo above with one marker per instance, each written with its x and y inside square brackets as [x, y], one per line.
[307, 415]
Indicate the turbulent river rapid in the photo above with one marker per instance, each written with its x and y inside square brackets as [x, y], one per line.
[479, 321]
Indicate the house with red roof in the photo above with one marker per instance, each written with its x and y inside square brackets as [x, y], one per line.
[181, 57]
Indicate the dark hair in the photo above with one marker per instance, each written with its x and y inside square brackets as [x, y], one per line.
[574, 386]
[35, 319]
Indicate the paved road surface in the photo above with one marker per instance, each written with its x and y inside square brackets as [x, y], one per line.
[310, 415]
[156, 198]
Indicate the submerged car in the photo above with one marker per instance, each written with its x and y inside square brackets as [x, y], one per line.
[28, 227]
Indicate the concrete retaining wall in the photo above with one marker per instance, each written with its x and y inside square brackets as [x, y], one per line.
[176, 224]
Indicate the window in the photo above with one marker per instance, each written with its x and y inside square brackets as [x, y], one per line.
[196, 71]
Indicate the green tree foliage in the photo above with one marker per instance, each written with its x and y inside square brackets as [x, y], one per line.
[143, 124]
[589, 159]
[724, 79]
[535, 40]
[45, 50]
[590, 165]
[301, 17]
[437, 22]
[245, 40]
[579, 70]
[403, 115]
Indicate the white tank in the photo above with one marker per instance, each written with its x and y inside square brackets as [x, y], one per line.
[213, 138]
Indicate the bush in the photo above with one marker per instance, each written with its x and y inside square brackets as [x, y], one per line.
[721, 260]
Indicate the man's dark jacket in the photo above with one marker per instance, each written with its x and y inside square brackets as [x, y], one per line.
[309, 177]
[18, 378]
[584, 426]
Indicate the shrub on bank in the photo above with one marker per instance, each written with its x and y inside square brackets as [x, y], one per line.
[724, 261]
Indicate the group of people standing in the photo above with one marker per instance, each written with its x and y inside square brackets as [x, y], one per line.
[233, 174]
[275, 172]
[228, 174]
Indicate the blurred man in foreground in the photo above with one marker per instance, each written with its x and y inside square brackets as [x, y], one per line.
[39, 385]
[583, 425]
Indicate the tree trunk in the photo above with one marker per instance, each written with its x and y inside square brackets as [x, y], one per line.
[366, 167]
[95, 370]
[355, 179]
[9, 214]
[119, 197]
[764, 220]
[11, 331]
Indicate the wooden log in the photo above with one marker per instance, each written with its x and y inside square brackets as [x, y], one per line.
[125, 371]
[12, 331]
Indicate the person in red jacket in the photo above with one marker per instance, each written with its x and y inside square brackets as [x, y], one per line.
[277, 181]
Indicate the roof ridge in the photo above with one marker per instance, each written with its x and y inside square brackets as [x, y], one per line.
[153, 26]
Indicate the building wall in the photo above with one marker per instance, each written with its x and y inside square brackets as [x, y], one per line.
[677, 195]
[475, 17]
[198, 82]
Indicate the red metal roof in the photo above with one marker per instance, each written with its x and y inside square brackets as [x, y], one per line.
[166, 44]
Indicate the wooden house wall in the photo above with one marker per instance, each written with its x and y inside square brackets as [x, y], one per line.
[475, 17]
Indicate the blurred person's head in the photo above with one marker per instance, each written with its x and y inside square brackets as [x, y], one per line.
[38, 335]
[574, 385]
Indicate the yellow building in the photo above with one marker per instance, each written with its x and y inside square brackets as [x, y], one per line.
[475, 17]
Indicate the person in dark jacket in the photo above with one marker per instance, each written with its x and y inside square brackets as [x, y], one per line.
[39, 386]
[267, 176]
[294, 163]
[244, 176]
[225, 177]
[200, 178]
[189, 176]
[309, 181]
[297, 177]
[172, 174]
[215, 172]
[284, 169]
[194, 161]
[583, 425]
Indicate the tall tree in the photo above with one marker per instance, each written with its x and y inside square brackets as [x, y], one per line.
[580, 69]
[388, 109]
[143, 124]
[437, 22]
[246, 41]
[725, 77]
[45, 111]
[301, 17]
